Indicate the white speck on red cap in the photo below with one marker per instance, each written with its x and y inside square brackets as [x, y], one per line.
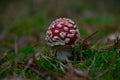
[67, 40]
[62, 43]
[59, 25]
[70, 35]
[75, 26]
[62, 34]
[56, 43]
[62, 31]
[56, 31]
[66, 28]
[69, 25]
[51, 44]
[72, 31]
[55, 38]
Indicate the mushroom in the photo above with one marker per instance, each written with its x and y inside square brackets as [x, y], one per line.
[63, 35]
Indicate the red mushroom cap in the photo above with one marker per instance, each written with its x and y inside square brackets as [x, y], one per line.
[62, 31]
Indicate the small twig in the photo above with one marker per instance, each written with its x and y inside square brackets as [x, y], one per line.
[66, 59]
[38, 73]
[45, 57]
[15, 51]
[81, 73]
[63, 70]
[16, 46]
[99, 75]
[90, 36]
[3, 56]
[106, 47]
[77, 72]
[71, 68]
[46, 74]
[91, 64]
[85, 43]
[30, 63]
[5, 66]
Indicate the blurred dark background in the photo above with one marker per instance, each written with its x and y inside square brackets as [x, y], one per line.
[28, 20]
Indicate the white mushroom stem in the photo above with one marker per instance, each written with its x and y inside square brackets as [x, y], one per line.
[62, 54]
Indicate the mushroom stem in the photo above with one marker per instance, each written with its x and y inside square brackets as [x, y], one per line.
[62, 54]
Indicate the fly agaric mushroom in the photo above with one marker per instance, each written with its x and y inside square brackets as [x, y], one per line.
[62, 32]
